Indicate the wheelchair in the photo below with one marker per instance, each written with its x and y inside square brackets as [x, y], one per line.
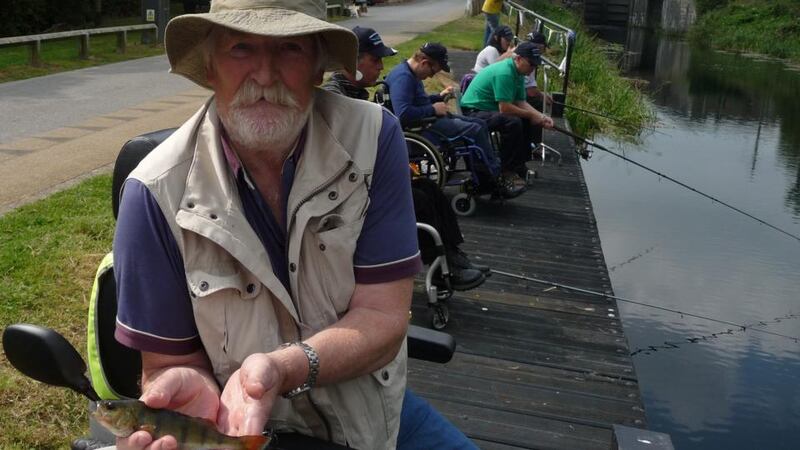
[451, 164]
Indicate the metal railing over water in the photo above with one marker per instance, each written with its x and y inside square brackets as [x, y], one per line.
[560, 41]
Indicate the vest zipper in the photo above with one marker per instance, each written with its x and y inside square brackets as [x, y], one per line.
[311, 194]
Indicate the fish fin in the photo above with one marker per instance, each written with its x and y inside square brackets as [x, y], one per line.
[255, 442]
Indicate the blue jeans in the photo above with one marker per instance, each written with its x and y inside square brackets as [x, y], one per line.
[473, 128]
[422, 428]
[492, 22]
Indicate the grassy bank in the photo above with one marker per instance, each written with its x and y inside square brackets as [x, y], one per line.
[48, 253]
[49, 250]
[768, 27]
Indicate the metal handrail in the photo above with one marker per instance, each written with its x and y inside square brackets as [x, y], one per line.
[564, 66]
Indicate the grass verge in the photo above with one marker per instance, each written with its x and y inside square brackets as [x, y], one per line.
[49, 251]
[62, 55]
[768, 27]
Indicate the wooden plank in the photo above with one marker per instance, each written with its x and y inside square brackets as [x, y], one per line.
[535, 366]
[522, 431]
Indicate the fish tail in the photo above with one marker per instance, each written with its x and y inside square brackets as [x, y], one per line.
[254, 442]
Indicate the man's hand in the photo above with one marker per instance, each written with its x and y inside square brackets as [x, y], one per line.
[185, 389]
[447, 91]
[543, 121]
[440, 108]
[249, 395]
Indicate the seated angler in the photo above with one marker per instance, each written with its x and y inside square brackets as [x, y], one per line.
[430, 204]
[410, 103]
[252, 266]
[497, 95]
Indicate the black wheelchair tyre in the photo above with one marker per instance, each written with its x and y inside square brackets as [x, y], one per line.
[428, 161]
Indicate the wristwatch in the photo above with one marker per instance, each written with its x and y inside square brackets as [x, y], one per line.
[313, 369]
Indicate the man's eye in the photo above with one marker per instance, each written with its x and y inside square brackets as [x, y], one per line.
[291, 47]
[241, 50]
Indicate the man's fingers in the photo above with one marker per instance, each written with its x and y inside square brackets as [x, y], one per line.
[160, 392]
[135, 441]
[255, 419]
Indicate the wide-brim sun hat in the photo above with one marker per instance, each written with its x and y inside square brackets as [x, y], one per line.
[185, 35]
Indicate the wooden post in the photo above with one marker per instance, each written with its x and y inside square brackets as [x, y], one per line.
[35, 48]
[122, 41]
[84, 53]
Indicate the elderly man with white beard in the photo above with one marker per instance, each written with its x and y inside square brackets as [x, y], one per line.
[264, 253]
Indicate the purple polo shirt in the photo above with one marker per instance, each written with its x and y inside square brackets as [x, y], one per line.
[154, 307]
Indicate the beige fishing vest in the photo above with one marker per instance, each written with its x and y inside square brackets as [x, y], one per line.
[240, 307]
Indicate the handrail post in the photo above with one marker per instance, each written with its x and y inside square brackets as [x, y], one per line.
[35, 48]
[571, 39]
[84, 52]
[122, 41]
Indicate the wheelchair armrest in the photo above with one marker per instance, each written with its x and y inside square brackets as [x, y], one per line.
[430, 345]
[418, 124]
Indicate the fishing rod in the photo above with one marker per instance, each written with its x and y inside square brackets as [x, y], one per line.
[679, 183]
[634, 302]
[595, 113]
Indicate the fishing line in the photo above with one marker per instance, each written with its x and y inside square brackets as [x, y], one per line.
[679, 183]
[671, 345]
[634, 302]
[631, 259]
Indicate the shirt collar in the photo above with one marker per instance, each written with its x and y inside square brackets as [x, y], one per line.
[235, 164]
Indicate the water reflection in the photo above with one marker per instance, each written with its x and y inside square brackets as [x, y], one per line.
[706, 87]
[726, 127]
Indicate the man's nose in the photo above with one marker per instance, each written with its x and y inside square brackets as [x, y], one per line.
[265, 71]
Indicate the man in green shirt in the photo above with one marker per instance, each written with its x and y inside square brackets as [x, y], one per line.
[497, 95]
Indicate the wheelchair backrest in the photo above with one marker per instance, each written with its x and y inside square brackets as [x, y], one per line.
[465, 81]
[381, 95]
[115, 368]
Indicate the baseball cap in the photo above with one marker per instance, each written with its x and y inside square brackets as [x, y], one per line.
[504, 31]
[436, 52]
[529, 51]
[369, 41]
[538, 37]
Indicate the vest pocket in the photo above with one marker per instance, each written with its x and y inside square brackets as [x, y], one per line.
[334, 260]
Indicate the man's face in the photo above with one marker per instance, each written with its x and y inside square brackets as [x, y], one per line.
[370, 67]
[430, 68]
[524, 66]
[264, 86]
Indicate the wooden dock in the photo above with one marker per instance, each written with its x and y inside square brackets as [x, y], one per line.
[535, 367]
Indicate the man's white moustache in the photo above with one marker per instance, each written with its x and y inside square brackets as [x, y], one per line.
[251, 92]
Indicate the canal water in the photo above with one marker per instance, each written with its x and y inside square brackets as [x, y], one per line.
[728, 125]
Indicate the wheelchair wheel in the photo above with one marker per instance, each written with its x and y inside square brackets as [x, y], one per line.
[426, 160]
[440, 315]
[463, 204]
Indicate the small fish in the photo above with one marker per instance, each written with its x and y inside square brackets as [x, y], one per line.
[123, 417]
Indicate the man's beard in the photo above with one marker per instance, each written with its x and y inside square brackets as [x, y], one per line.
[264, 125]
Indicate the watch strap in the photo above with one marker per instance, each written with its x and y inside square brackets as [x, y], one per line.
[313, 369]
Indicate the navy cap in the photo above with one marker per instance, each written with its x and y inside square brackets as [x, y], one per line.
[369, 41]
[504, 31]
[436, 52]
[538, 38]
[529, 51]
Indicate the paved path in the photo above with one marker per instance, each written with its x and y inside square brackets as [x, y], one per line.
[58, 129]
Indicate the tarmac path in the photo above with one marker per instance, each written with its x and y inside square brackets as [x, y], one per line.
[59, 129]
